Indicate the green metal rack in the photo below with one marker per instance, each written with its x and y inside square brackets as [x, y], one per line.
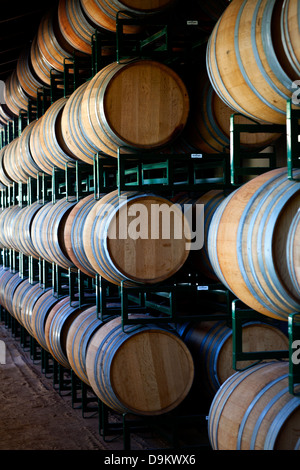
[294, 353]
[238, 156]
[293, 144]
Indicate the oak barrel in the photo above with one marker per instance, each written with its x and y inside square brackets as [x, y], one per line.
[208, 127]
[248, 75]
[103, 13]
[51, 45]
[57, 325]
[47, 231]
[9, 282]
[247, 243]
[14, 95]
[124, 239]
[7, 220]
[254, 410]
[74, 25]
[202, 210]
[138, 105]
[50, 148]
[4, 178]
[28, 79]
[11, 162]
[23, 227]
[290, 33]
[20, 302]
[26, 160]
[211, 345]
[72, 128]
[146, 370]
[39, 314]
[73, 238]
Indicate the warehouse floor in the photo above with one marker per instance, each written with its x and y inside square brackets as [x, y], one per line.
[35, 416]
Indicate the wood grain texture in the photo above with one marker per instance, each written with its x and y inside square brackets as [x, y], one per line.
[26, 161]
[141, 105]
[72, 128]
[247, 243]
[50, 42]
[211, 345]
[29, 81]
[119, 255]
[74, 25]
[293, 252]
[73, 238]
[53, 340]
[78, 338]
[47, 231]
[151, 370]
[247, 78]
[254, 410]
[39, 315]
[14, 95]
[291, 33]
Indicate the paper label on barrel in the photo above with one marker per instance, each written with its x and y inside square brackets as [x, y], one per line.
[196, 155]
[202, 287]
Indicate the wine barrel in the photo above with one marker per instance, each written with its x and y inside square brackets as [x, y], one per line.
[4, 178]
[198, 259]
[7, 221]
[34, 293]
[8, 284]
[50, 148]
[247, 243]
[51, 44]
[74, 25]
[72, 128]
[253, 410]
[79, 335]
[211, 345]
[20, 300]
[138, 105]
[26, 75]
[103, 13]
[39, 314]
[23, 227]
[57, 326]
[26, 161]
[41, 67]
[290, 33]
[14, 95]
[47, 231]
[38, 155]
[248, 76]
[213, 9]
[118, 253]
[208, 126]
[146, 370]
[73, 238]
[11, 162]
[5, 114]
[293, 252]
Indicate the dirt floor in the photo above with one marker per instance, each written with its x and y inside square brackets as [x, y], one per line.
[37, 414]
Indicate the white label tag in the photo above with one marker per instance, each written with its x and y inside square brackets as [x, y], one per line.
[202, 287]
[192, 22]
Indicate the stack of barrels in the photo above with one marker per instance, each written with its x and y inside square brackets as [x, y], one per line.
[251, 236]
